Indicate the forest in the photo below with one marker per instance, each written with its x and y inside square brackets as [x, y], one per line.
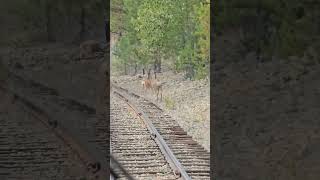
[151, 33]
[178, 32]
[28, 22]
[272, 28]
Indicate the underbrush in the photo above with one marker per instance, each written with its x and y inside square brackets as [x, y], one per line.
[169, 103]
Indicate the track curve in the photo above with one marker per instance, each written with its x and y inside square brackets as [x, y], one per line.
[83, 136]
[192, 157]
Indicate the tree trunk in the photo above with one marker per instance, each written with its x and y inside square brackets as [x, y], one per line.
[106, 7]
[155, 65]
[82, 24]
[159, 62]
[50, 37]
[125, 68]
[258, 33]
[107, 30]
[149, 73]
[135, 69]
[66, 29]
[159, 65]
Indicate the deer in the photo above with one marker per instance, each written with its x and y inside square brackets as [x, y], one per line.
[147, 83]
[143, 84]
[157, 86]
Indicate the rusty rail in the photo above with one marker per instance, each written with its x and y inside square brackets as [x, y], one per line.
[91, 159]
[172, 160]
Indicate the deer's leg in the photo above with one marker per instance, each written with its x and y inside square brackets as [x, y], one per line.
[157, 93]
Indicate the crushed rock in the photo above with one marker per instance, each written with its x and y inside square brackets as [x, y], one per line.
[188, 102]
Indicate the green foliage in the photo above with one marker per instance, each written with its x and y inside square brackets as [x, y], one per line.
[281, 28]
[152, 24]
[171, 30]
[117, 15]
[203, 43]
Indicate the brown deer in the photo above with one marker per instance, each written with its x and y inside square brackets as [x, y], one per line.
[143, 83]
[147, 83]
[157, 86]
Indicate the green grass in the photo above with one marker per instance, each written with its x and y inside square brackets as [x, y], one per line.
[169, 103]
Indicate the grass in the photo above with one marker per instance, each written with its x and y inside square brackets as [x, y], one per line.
[169, 103]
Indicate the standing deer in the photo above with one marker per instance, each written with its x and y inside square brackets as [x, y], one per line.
[147, 83]
[157, 86]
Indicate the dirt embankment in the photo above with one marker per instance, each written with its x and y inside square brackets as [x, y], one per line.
[266, 117]
[188, 102]
[56, 66]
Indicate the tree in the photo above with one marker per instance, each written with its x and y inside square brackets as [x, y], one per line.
[165, 30]
[153, 27]
[48, 12]
[276, 28]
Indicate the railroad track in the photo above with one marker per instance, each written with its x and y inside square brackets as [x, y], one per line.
[57, 137]
[133, 146]
[131, 142]
[89, 138]
[38, 145]
[86, 135]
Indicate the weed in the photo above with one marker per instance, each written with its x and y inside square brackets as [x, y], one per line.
[169, 103]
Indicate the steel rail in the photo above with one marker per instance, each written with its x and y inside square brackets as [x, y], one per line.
[173, 161]
[85, 154]
[115, 163]
[90, 151]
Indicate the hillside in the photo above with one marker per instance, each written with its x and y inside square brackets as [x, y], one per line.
[265, 115]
